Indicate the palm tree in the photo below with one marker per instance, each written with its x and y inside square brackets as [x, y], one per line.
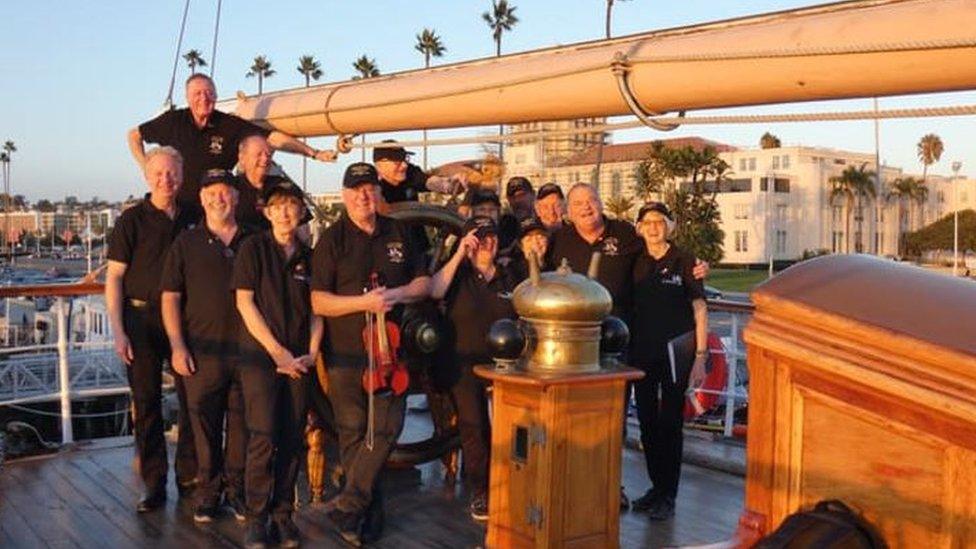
[8, 152]
[261, 69]
[194, 59]
[367, 69]
[769, 141]
[913, 191]
[429, 44]
[609, 11]
[852, 185]
[501, 18]
[929, 150]
[619, 206]
[309, 68]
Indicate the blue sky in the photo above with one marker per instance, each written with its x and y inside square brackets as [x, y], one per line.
[78, 75]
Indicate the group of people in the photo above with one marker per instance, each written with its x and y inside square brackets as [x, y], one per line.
[212, 272]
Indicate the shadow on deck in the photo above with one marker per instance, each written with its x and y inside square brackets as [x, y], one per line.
[85, 497]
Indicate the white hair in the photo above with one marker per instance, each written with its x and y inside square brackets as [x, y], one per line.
[163, 151]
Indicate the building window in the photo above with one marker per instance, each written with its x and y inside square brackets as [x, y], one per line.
[837, 214]
[964, 196]
[780, 242]
[741, 241]
[781, 185]
[776, 162]
[742, 211]
[752, 164]
[742, 164]
[616, 183]
[941, 196]
[837, 242]
[781, 213]
[786, 161]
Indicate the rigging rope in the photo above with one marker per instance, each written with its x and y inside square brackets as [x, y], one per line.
[213, 50]
[58, 414]
[168, 104]
[921, 112]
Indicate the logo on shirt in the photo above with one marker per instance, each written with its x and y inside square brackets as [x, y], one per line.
[299, 274]
[610, 246]
[216, 144]
[394, 252]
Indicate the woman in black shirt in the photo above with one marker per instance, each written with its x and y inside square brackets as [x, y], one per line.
[668, 302]
[476, 293]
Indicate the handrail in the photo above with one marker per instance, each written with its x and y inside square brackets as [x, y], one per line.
[729, 306]
[53, 290]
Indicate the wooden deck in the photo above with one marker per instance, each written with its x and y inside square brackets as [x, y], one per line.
[85, 497]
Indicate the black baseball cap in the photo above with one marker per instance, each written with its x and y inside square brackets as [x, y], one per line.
[397, 153]
[476, 197]
[217, 175]
[282, 187]
[484, 225]
[547, 189]
[658, 207]
[358, 174]
[516, 185]
[530, 225]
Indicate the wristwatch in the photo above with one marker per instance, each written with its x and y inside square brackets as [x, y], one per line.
[702, 352]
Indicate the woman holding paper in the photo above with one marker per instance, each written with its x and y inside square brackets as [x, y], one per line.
[668, 302]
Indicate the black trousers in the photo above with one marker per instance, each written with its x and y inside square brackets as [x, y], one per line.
[362, 466]
[661, 421]
[214, 393]
[143, 326]
[274, 413]
[474, 428]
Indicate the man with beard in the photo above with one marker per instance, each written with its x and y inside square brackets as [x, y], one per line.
[207, 138]
[136, 250]
[348, 255]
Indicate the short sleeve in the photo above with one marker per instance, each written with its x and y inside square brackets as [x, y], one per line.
[694, 288]
[242, 128]
[122, 243]
[160, 129]
[246, 266]
[323, 264]
[173, 278]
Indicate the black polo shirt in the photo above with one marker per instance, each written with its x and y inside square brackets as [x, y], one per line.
[473, 304]
[140, 239]
[619, 245]
[199, 266]
[213, 146]
[281, 293]
[407, 191]
[663, 291]
[343, 260]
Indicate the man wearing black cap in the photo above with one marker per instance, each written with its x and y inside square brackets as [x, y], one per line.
[207, 138]
[282, 339]
[521, 197]
[202, 324]
[476, 293]
[139, 241]
[550, 206]
[533, 239]
[361, 244]
[401, 181]
[485, 202]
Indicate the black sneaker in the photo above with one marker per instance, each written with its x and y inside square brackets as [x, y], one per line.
[152, 501]
[347, 524]
[663, 509]
[236, 506]
[285, 531]
[373, 521]
[624, 501]
[204, 513]
[646, 501]
[256, 536]
[479, 507]
[186, 489]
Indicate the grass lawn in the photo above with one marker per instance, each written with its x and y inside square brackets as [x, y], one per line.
[735, 280]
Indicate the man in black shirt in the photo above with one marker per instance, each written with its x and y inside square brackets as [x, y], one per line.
[521, 197]
[254, 160]
[282, 339]
[401, 181]
[138, 244]
[550, 206]
[202, 324]
[360, 244]
[207, 138]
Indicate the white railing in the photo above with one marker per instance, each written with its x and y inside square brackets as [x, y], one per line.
[728, 319]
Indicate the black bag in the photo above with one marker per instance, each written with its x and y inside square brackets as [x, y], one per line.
[830, 524]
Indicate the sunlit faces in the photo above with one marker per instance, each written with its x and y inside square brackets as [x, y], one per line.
[585, 208]
[653, 227]
[254, 157]
[392, 171]
[219, 201]
[361, 201]
[164, 174]
[284, 212]
[201, 96]
[550, 210]
[535, 241]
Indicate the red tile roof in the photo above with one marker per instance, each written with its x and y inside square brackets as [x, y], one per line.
[627, 152]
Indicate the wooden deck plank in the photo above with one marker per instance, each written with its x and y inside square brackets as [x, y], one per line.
[59, 528]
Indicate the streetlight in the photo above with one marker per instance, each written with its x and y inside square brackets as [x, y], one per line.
[956, 166]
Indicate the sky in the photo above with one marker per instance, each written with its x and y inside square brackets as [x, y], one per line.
[78, 75]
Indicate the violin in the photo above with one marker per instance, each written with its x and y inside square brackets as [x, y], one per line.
[385, 373]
